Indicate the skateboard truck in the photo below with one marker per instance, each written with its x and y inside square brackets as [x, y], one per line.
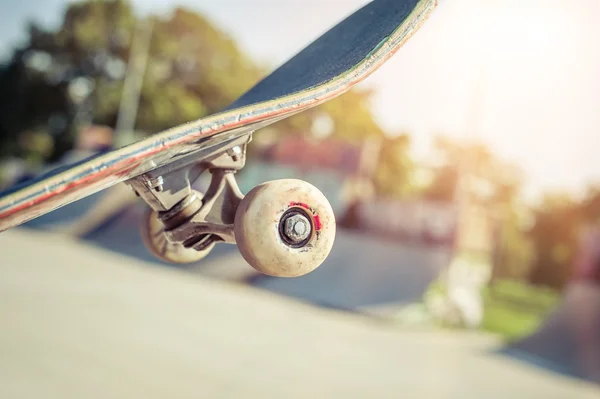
[278, 233]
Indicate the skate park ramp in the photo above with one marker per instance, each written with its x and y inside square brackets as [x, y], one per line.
[569, 342]
[80, 321]
[362, 272]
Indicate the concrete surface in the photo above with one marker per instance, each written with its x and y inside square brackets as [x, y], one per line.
[365, 271]
[79, 321]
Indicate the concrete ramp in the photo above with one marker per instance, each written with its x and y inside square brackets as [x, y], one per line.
[569, 342]
[81, 322]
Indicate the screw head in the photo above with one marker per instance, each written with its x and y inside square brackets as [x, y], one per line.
[235, 153]
[297, 228]
[156, 183]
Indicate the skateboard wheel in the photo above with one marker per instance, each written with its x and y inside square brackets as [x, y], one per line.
[284, 228]
[157, 243]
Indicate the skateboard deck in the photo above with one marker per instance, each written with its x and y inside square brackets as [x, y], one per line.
[328, 67]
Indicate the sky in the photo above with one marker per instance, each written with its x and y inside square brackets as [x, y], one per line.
[520, 75]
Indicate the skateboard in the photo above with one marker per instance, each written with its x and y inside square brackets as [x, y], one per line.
[282, 228]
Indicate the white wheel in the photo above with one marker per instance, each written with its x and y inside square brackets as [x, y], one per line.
[156, 242]
[285, 228]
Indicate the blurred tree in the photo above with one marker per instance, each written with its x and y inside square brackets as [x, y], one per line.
[47, 86]
[74, 75]
[195, 70]
[558, 222]
[353, 121]
[444, 183]
[350, 115]
[554, 235]
[591, 205]
[494, 184]
[489, 179]
[392, 174]
[514, 251]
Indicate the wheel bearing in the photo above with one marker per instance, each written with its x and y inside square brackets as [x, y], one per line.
[295, 227]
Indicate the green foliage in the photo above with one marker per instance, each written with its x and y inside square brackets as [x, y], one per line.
[27, 104]
[353, 121]
[590, 206]
[512, 309]
[542, 254]
[555, 234]
[445, 180]
[444, 184]
[515, 250]
[515, 310]
[552, 242]
[477, 161]
[352, 116]
[93, 26]
[193, 69]
[394, 167]
[203, 59]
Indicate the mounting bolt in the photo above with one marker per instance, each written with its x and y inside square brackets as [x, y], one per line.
[235, 153]
[296, 228]
[156, 183]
